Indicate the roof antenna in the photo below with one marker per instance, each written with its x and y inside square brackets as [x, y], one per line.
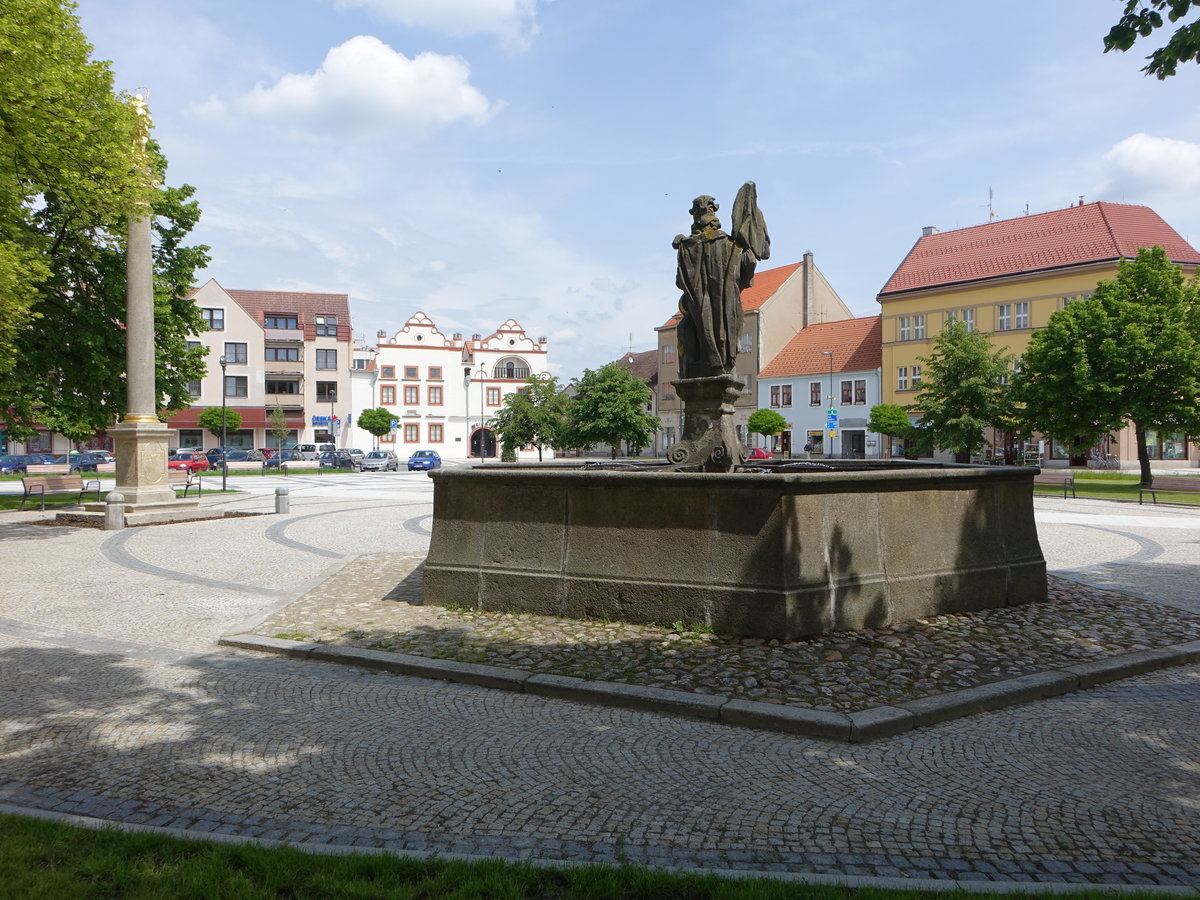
[991, 212]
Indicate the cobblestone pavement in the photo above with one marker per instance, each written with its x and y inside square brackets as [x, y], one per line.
[114, 704]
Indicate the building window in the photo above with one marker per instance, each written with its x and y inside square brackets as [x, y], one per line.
[902, 378]
[1022, 315]
[281, 354]
[668, 353]
[360, 363]
[193, 389]
[188, 437]
[1161, 445]
[951, 316]
[968, 317]
[847, 393]
[326, 326]
[387, 395]
[326, 359]
[919, 328]
[412, 433]
[860, 392]
[283, 387]
[213, 318]
[277, 321]
[775, 395]
[1004, 317]
[387, 372]
[785, 395]
[327, 391]
[814, 442]
[745, 343]
[493, 396]
[235, 385]
[435, 395]
[235, 353]
[916, 376]
[435, 373]
[814, 393]
[905, 328]
[412, 395]
[410, 372]
[435, 433]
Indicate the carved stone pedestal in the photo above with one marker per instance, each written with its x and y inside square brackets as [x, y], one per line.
[141, 451]
[710, 440]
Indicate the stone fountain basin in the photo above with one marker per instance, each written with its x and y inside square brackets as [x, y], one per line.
[761, 554]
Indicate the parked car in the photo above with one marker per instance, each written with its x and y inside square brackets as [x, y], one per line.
[291, 457]
[310, 451]
[268, 452]
[337, 459]
[16, 463]
[423, 460]
[40, 456]
[380, 461]
[759, 453]
[193, 462]
[103, 454]
[244, 456]
[356, 453]
[81, 462]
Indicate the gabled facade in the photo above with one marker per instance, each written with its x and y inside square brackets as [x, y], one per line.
[1007, 278]
[282, 349]
[444, 389]
[779, 304]
[830, 366]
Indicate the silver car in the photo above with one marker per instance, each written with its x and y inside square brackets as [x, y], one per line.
[380, 461]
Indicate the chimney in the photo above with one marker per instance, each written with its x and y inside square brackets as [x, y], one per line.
[807, 290]
[457, 336]
[928, 230]
[477, 337]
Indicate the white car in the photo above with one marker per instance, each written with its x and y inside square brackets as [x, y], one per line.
[380, 461]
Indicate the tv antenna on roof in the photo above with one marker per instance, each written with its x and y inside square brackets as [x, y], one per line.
[991, 211]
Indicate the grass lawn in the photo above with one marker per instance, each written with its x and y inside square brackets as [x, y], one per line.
[48, 859]
[65, 501]
[1098, 485]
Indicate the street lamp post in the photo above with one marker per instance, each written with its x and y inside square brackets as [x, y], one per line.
[332, 398]
[829, 353]
[482, 413]
[224, 466]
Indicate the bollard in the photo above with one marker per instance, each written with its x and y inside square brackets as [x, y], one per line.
[114, 511]
[282, 501]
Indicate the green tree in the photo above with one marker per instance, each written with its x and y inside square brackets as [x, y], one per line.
[609, 407]
[211, 419]
[1142, 18]
[963, 390]
[377, 421]
[278, 426]
[767, 422]
[1128, 353]
[891, 419]
[535, 415]
[67, 185]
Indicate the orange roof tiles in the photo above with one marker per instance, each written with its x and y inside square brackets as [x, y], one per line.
[857, 346]
[765, 284]
[305, 306]
[1095, 232]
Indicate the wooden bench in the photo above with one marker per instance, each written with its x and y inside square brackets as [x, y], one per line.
[1184, 484]
[42, 485]
[248, 465]
[187, 478]
[1057, 476]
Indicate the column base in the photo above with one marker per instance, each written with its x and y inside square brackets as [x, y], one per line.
[710, 442]
[141, 451]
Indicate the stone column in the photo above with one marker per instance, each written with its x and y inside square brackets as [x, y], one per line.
[710, 440]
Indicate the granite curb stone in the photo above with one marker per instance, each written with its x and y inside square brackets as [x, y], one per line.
[857, 727]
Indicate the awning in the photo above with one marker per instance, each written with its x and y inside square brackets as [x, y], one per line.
[252, 417]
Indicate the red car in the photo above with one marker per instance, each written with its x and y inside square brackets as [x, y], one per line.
[195, 462]
[759, 453]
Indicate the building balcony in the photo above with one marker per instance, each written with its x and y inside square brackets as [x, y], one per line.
[275, 367]
[290, 335]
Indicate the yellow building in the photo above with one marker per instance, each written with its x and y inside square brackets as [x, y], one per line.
[1007, 278]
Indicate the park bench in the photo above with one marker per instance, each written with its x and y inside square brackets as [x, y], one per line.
[1057, 476]
[41, 485]
[249, 465]
[1184, 484]
[185, 477]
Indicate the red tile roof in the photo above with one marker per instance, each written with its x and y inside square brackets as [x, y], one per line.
[305, 306]
[857, 346]
[765, 284]
[1073, 236]
[642, 365]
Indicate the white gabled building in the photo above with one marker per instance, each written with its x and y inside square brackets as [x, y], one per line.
[444, 389]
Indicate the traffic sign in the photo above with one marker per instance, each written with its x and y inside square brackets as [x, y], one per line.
[831, 419]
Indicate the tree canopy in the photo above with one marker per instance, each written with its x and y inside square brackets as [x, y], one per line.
[211, 419]
[609, 407]
[1142, 18]
[1130, 352]
[962, 390]
[377, 421]
[534, 416]
[69, 177]
[766, 422]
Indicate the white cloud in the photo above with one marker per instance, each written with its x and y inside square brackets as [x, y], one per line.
[512, 21]
[1144, 165]
[365, 86]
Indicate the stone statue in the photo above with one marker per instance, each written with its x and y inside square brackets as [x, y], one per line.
[713, 270]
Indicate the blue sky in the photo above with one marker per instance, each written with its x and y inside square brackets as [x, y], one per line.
[484, 159]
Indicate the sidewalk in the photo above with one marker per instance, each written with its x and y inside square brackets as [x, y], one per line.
[116, 705]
